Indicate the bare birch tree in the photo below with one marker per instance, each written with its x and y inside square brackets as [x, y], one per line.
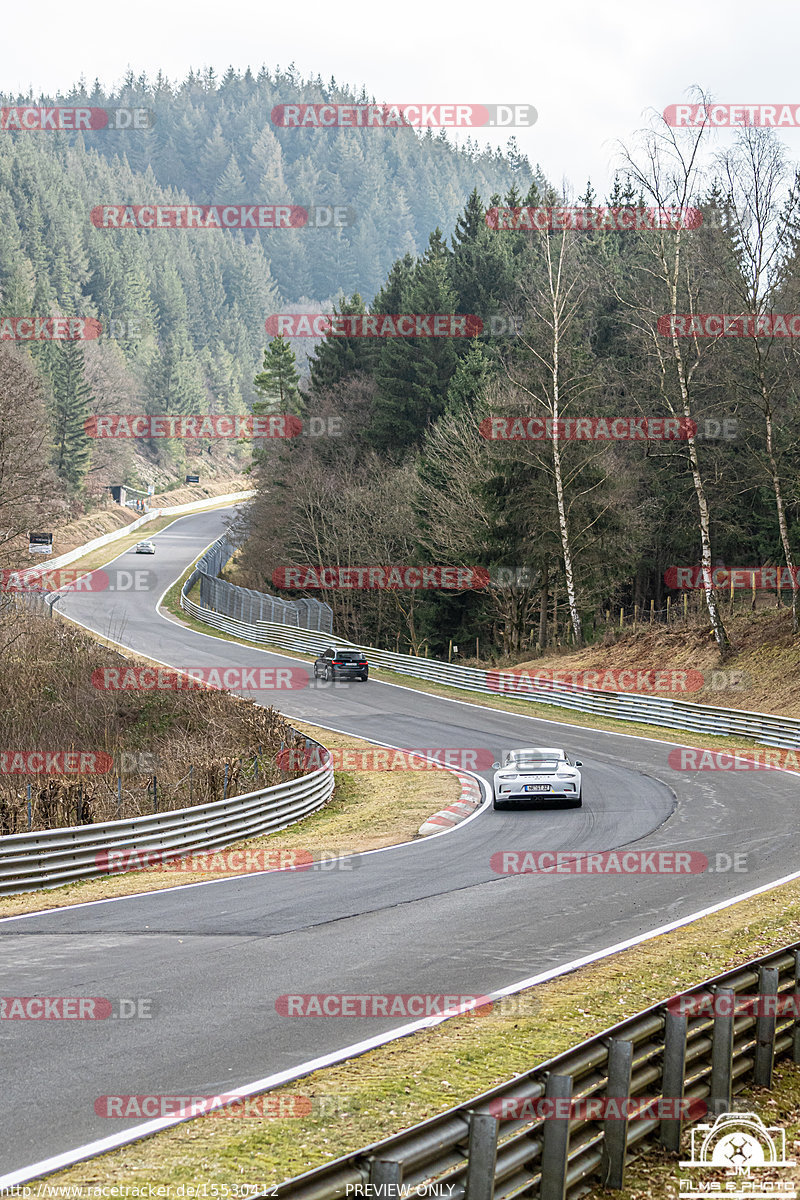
[668, 171]
[551, 373]
[760, 211]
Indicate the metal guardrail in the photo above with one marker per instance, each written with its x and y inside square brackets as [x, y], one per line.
[657, 1053]
[245, 604]
[52, 857]
[154, 514]
[763, 728]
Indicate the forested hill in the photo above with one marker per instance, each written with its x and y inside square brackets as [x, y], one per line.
[188, 307]
[213, 140]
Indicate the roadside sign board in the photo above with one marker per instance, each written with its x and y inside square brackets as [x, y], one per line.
[40, 543]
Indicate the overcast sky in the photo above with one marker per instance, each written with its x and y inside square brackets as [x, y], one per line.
[592, 70]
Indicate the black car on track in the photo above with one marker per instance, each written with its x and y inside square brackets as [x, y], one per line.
[335, 663]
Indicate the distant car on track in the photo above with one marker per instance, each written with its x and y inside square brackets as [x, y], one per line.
[537, 774]
[144, 548]
[346, 664]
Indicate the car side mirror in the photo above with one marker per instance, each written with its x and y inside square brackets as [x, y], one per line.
[578, 763]
[495, 766]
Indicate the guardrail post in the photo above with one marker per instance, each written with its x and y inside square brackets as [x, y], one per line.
[386, 1175]
[673, 1077]
[481, 1156]
[719, 1100]
[765, 1027]
[796, 1043]
[615, 1131]
[555, 1142]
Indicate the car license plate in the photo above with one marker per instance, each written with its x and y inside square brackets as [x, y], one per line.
[537, 787]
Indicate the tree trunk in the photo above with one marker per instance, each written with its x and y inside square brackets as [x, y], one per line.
[779, 503]
[720, 635]
[563, 524]
[543, 610]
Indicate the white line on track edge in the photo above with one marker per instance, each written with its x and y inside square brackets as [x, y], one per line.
[114, 1141]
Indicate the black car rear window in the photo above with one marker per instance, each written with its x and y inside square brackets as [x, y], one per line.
[349, 656]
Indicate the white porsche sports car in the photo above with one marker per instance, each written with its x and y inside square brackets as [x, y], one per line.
[537, 775]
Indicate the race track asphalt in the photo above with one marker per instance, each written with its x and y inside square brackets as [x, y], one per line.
[428, 917]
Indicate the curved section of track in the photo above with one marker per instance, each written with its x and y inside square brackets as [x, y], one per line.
[430, 916]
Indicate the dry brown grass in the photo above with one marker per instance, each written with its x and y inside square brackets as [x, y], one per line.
[111, 516]
[764, 653]
[368, 810]
[50, 704]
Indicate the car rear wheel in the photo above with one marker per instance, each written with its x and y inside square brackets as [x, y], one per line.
[577, 803]
[363, 678]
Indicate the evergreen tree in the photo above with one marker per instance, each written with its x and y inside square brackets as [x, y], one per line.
[278, 383]
[413, 374]
[70, 411]
[469, 378]
[337, 357]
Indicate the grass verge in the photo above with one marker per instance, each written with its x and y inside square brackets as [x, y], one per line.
[657, 1173]
[388, 1089]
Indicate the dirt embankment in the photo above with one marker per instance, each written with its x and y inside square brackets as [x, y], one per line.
[762, 673]
[112, 516]
[70, 735]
